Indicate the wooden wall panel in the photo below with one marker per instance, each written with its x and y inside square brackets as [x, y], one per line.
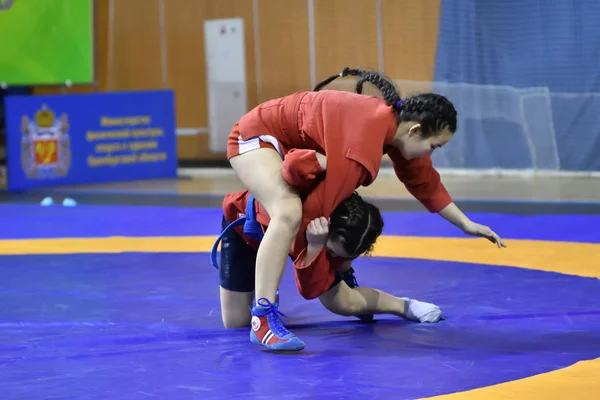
[196, 148]
[186, 72]
[284, 47]
[101, 32]
[185, 60]
[345, 35]
[187, 69]
[134, 52]
[129, 49]
[63, 89]
[410, 31]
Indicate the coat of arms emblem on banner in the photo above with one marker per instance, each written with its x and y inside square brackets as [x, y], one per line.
[45, 145]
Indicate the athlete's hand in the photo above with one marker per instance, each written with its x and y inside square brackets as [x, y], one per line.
[474, 229]
[317, 232]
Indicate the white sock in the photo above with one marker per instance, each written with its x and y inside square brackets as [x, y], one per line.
[416, 310]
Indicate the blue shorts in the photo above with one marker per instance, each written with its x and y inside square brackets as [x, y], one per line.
[238, 263]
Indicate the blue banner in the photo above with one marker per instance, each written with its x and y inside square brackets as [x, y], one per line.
[89, 138]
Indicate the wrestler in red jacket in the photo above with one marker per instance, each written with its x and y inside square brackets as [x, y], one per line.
[353, 131]
[352, 229]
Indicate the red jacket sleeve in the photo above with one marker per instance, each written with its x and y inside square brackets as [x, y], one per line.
[300, 169]
[314, 279]
[343, 177]
[421, 180]
[340, 182]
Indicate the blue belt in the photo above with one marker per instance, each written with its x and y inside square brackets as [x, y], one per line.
[251, 228]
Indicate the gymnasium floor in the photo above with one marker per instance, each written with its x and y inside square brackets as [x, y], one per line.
[116, 299]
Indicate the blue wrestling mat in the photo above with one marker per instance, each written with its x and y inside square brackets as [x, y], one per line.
[138, 325]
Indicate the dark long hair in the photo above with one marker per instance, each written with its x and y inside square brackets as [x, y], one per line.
[357, 224]
[433, 111]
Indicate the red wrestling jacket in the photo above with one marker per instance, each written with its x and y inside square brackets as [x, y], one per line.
[301, 169]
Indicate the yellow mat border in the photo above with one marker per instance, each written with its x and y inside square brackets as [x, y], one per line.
[582, 259]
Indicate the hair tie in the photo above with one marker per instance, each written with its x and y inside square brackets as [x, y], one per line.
[398, 103]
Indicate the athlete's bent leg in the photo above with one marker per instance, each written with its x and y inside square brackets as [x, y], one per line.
[260, 172]
[236, 279]
[343, 300]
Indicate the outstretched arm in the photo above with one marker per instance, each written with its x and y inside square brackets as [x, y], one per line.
[424, 183]
[454, 215]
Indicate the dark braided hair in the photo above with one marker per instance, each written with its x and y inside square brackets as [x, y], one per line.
[357, 224]
[433, 111]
